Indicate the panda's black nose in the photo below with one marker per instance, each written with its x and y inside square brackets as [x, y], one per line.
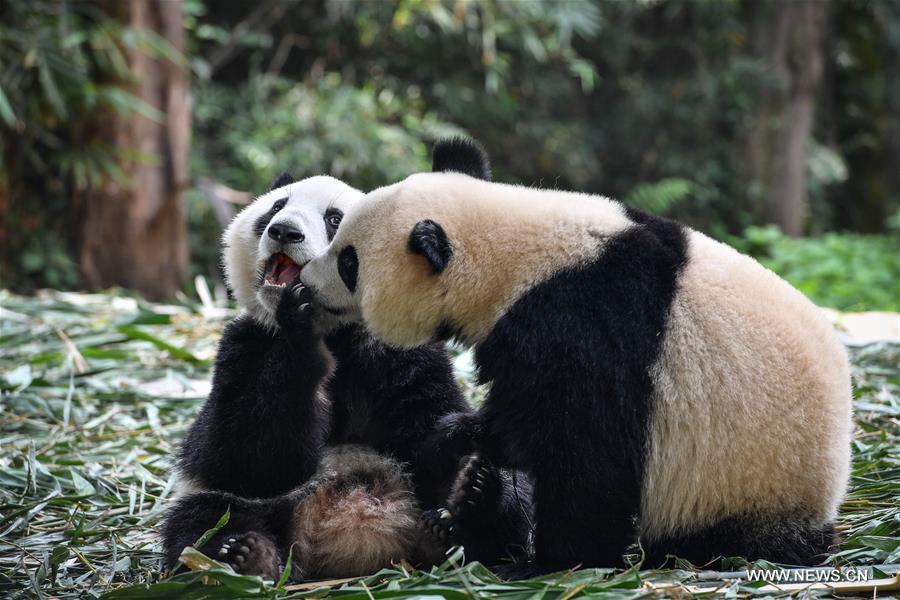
[285, 234]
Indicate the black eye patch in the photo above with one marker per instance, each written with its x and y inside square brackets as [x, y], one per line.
[259, 227]
[333, 218]
[348, 267]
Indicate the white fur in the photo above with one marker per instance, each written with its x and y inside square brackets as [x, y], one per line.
[753, 404]
[245, 253]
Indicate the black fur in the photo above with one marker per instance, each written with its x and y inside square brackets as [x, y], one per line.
[282, 180]
[256, 440]
[571, 390]
[193, 514]
[259, 226]
[477, 525]
[348, 267]
[429, 239]
[391, 400]
[260, 432]
[461, 155]
[785, 539]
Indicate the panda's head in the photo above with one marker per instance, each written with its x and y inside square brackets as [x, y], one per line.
[393, 261]
[269, 242]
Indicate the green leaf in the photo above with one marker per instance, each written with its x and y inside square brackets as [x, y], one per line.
[83, 487]
[209, 533]
[51, 91]
[6, 111]
[135, 333]
[288, 565]
[660, 197]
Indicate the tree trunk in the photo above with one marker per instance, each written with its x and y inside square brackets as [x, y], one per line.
[135, 234]
[787, 38]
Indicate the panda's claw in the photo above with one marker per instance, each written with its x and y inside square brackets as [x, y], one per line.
[477, 489]
[438, 524]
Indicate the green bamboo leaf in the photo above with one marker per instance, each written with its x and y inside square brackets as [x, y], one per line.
[135, 333]
[51, 91]
[6, 111]
[209, 533]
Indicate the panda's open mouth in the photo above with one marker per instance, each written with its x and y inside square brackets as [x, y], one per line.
[281, 270]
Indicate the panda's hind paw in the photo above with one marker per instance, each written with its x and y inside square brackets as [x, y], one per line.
[477, 489]
[438, 524]
[251, 553]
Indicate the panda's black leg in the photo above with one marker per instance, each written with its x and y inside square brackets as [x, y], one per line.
[577, 524]
[251, 553]
[490, 514]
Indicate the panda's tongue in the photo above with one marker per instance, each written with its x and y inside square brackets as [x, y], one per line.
[282, 270]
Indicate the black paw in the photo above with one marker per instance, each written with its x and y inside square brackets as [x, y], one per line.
[435, 531]
[250, 554]
[295, 308]
[438, 525]
[476, 492]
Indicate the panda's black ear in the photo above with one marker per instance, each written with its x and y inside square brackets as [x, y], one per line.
[461, 155]
[429, 239]
[282, 180]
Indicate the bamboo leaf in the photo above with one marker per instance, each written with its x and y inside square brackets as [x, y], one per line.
[136, 333]
[6, 110]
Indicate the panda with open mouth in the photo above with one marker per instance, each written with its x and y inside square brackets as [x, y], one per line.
[315, 436]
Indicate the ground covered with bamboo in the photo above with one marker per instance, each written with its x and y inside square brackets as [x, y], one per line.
[98, 388]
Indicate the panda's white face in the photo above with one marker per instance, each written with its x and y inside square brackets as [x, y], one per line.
[269, 242]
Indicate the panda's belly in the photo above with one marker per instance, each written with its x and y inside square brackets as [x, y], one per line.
[751, 409]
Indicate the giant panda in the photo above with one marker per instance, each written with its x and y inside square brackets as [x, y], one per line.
[657, 384]
[288, 381]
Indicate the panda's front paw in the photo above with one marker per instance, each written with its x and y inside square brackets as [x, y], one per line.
[251, 554]
[295, 308]
[477, 490]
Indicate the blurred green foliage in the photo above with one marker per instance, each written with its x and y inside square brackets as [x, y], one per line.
[358, 134]
[849, 272]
